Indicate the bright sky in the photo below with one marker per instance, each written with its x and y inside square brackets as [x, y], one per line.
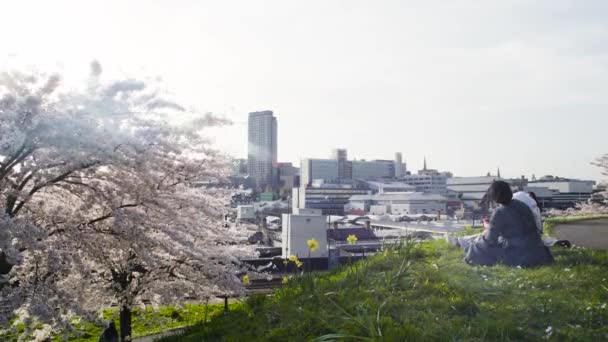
[472, 85]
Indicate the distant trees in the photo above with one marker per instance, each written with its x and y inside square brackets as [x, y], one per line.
[95, 201]
[602, 162]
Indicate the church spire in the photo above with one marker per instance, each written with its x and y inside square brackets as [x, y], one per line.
[424, 168]
[498, 173]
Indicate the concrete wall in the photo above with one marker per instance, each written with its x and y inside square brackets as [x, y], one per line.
[357, 205]
[400, 209]
[245, 212]
[298, 229]
[417, 208]
[427, 208]
[378, 209]
[307, 211]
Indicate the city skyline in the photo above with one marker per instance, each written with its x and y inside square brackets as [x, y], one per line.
[332, 154]
[516, 85]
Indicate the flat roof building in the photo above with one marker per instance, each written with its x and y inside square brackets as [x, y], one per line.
[471, 188]
[561, 193]
[387, 186]
[399, 204]
[338, 168]
[329, 198]
[374, 169]
[428, 180]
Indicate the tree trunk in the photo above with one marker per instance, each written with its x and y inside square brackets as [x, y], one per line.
[125, 323]
[5, 266]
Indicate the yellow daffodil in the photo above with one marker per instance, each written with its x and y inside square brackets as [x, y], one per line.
[295, 260]
[246, 279]
[312, 245]
[352, 239]
[285, 280]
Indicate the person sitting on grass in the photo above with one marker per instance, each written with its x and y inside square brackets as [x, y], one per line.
[511, 236]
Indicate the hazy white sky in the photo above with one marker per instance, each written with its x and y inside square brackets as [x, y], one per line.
[472, 85]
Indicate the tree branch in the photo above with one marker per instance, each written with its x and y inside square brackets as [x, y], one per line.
[40, 186]
[17, 158]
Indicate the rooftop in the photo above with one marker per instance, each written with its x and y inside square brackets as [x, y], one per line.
[391, 184]
[472, 180]
[408, 196]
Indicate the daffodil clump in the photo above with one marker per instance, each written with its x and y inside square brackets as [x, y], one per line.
[295, 260]
[313, 245]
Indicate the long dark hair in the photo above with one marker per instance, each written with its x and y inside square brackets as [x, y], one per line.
[533, 195]
[500, 192]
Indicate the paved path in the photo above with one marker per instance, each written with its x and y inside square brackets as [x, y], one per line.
[591, 234]
[152, 338]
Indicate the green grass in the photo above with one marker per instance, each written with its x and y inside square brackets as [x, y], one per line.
[427, 293]
[419, 292]
[145, 321]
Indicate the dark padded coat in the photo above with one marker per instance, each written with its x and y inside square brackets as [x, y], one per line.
[512, 239]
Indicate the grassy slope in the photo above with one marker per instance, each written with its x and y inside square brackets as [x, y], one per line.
[145, 322]
[435, 297]
[149, 321]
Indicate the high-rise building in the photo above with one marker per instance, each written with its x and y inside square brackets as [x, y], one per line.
[400, 167]
[239, 167]
[344, 166]
[262, 156]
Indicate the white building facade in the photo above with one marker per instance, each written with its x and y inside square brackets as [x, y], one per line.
[399, 204]
[434, 183]
[298, 229]
[338, 168]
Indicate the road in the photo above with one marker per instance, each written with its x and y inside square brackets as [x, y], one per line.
[590, 234]
[440, 227]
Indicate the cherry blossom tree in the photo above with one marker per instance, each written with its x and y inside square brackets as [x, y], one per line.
[97, 202]
[602, 162]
